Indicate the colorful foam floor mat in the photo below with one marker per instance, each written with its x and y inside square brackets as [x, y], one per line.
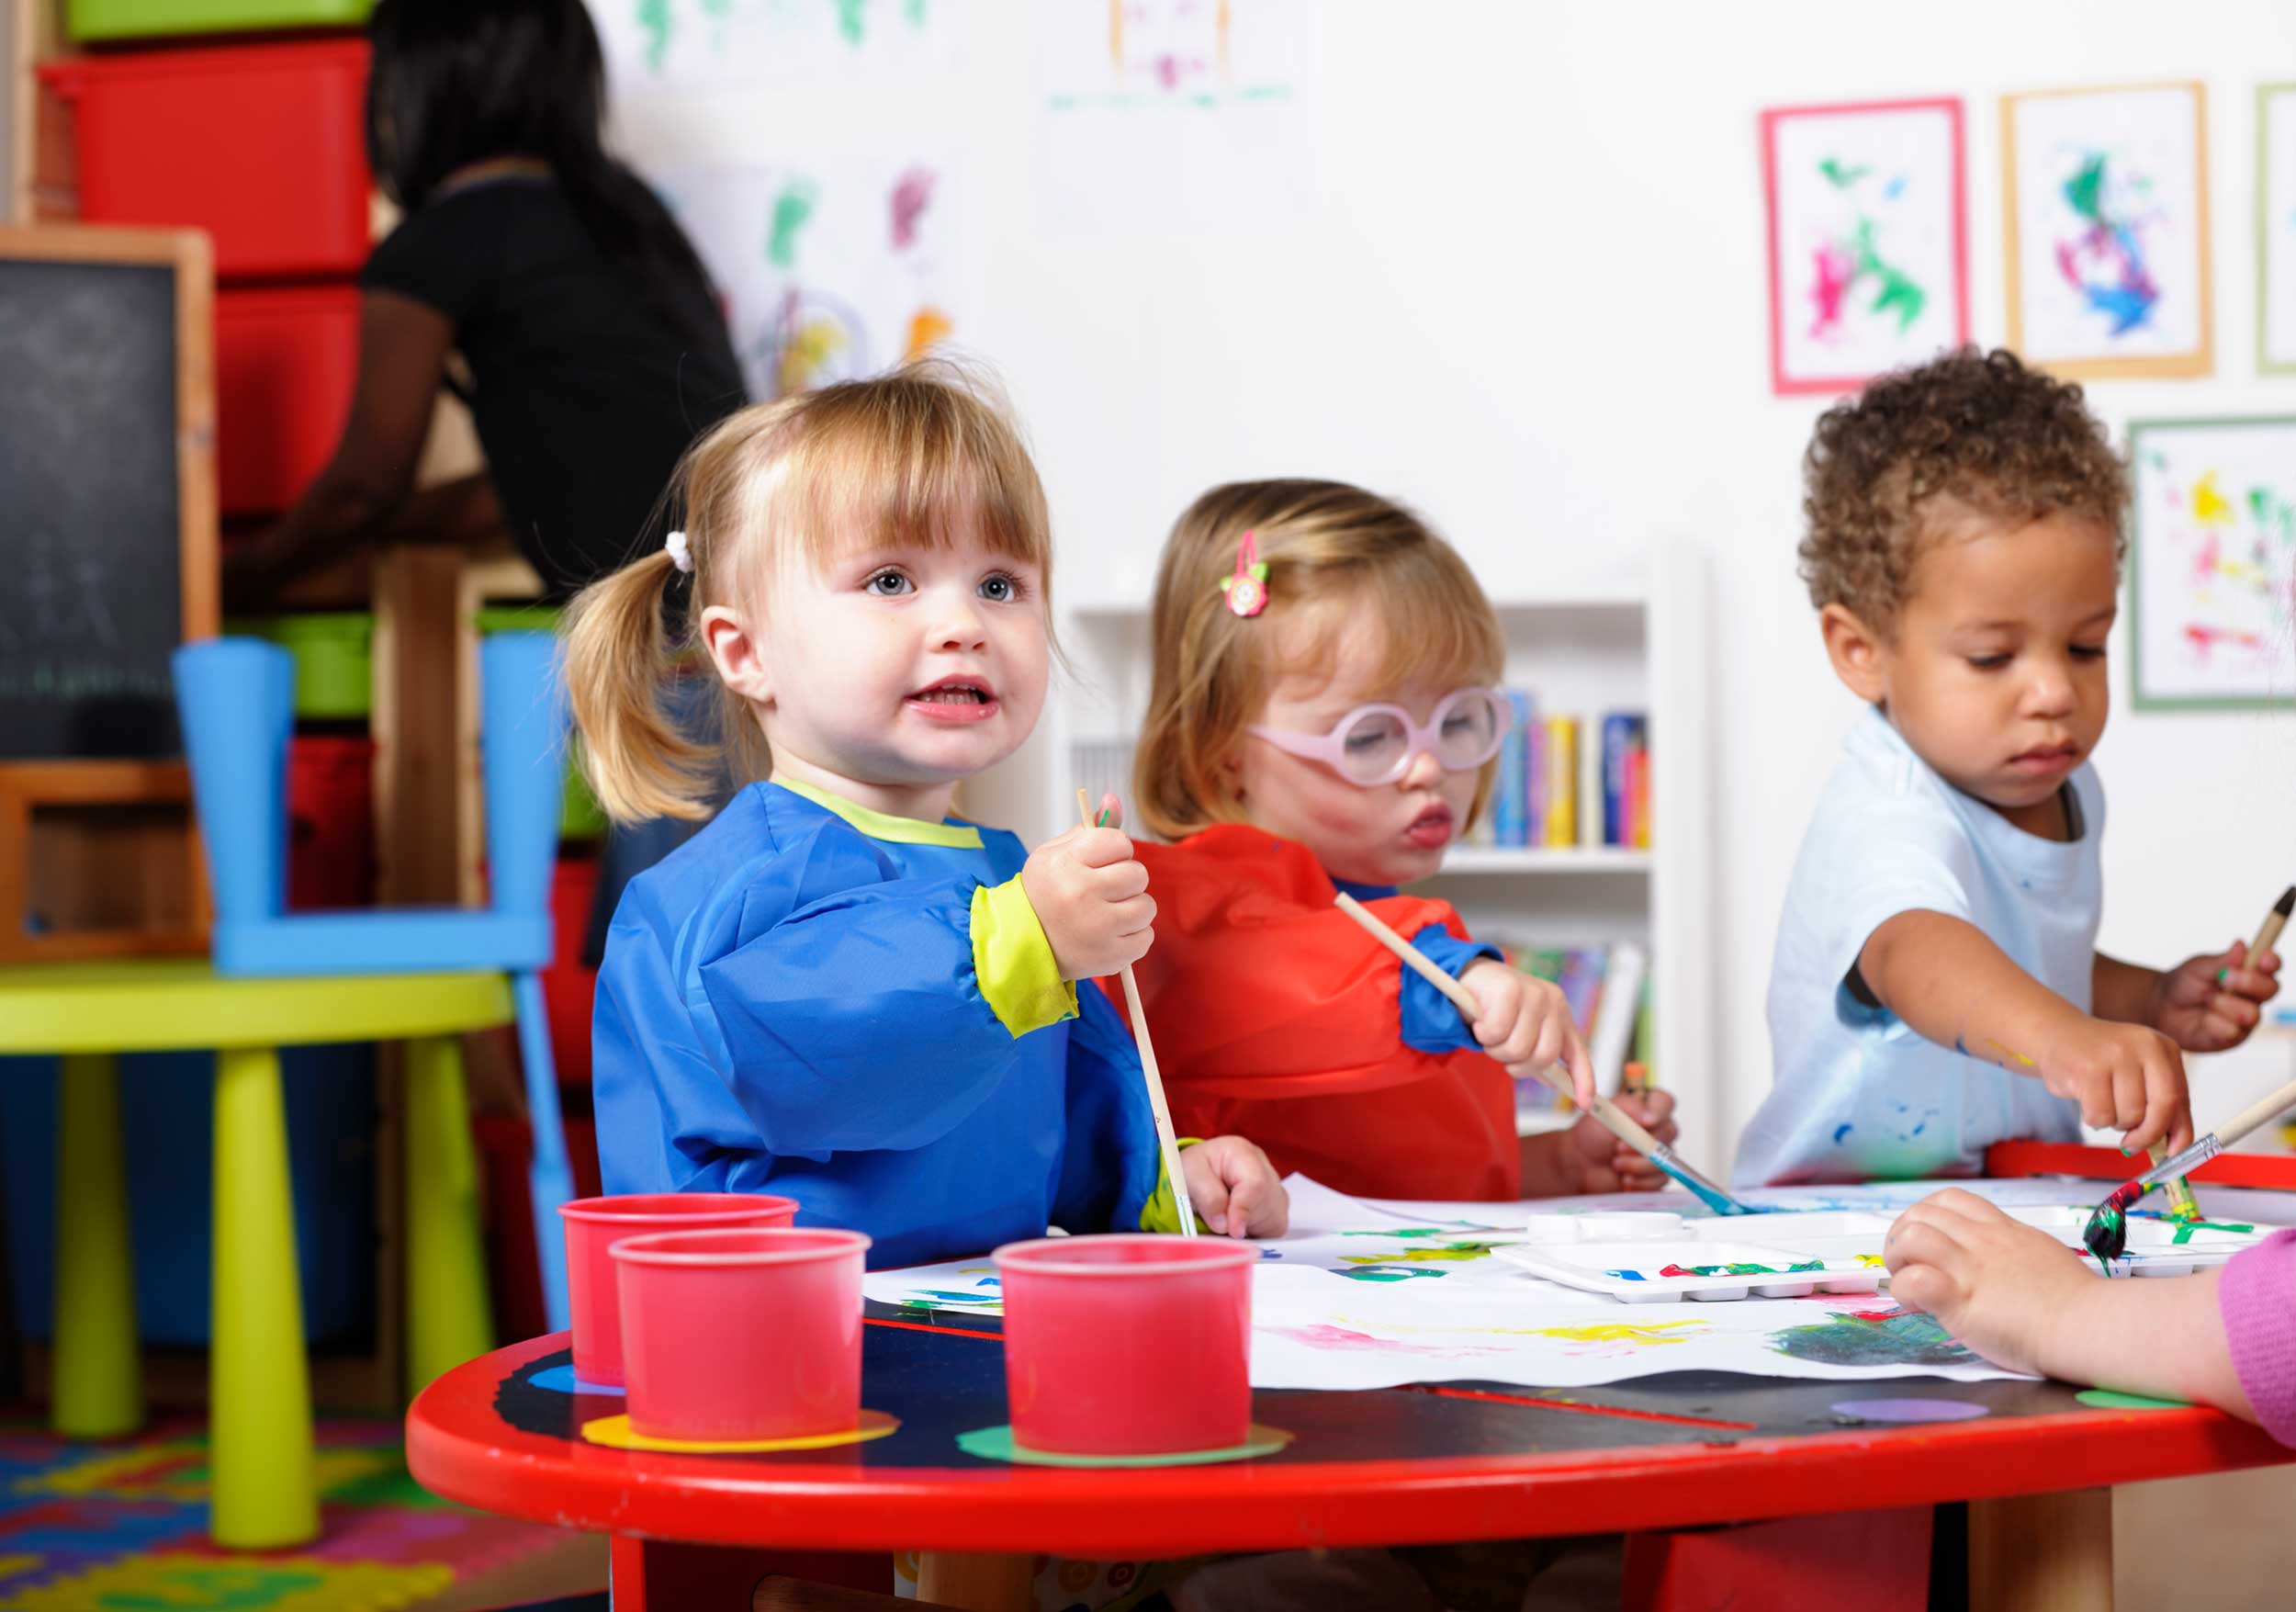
[121, 1526]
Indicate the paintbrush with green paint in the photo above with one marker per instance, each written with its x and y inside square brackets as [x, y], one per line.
[2181, 1202]
[1620, 1123]
[2107, 1234]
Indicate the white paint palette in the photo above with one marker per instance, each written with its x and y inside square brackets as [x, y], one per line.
[1646, 1259]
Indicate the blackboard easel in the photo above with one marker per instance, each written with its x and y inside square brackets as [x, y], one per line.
[108, 533]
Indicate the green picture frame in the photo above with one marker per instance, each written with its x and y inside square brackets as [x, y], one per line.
[2267, 363]
[2153, 687]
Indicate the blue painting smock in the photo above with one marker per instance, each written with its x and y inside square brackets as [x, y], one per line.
[862, 1011]
[1860, 1094]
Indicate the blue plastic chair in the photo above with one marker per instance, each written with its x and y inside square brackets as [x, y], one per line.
[235, 698]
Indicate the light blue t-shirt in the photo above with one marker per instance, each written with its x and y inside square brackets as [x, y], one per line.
[1859, 1095]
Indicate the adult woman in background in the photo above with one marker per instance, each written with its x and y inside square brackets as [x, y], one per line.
[592, 348]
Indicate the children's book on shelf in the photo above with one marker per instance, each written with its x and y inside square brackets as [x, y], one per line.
[1544, 797]
[1607, 988]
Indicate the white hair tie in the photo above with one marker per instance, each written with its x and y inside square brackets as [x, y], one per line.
[680, 552]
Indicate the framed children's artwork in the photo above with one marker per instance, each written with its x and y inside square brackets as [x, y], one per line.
[2211, 562]
[2106, 194]
[2276, 229]
[1869, 264]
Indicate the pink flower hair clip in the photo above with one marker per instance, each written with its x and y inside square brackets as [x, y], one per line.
[1248, 589]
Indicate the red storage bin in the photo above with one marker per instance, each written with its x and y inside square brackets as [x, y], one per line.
[569, 989]
[330, 821]
[287, 358]
[263, 146]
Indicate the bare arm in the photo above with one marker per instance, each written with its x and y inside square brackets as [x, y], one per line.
[2022, 1299]
[1948, 980]
[2123, 991]
[360, 495]
[1953, 987]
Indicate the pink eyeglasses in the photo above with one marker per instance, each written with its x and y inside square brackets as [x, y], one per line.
[1374, 744]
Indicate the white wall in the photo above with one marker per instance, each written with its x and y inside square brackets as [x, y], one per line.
[1518, 279]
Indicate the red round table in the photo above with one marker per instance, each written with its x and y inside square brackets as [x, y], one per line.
[1385, 1467]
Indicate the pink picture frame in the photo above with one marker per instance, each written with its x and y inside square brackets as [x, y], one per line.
[1866, 213]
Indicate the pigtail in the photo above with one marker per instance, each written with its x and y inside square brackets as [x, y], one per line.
[638, 763]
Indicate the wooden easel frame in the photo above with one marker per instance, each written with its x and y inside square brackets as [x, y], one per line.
[78, 782]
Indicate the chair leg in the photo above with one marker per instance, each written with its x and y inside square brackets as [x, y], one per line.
[446, 1285]
[99, 1382]
[549, 1177]
[265, 1490]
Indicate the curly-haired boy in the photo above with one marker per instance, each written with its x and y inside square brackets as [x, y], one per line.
[1937, 986]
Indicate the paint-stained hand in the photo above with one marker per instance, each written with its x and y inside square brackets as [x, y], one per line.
[2005, 1289]
[1091, 894]
[2127, 1078]
[2208, 1003]
[1235, 1190]
[1596, 1161]
[1524, 1022]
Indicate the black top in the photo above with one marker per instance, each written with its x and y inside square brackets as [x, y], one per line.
[583, 390]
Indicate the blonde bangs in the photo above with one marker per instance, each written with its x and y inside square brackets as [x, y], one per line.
[917, 460]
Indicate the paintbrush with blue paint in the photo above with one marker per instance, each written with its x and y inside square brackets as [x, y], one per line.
[1620, 1123]
[2107, 1234]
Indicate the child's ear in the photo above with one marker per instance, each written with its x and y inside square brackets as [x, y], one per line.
[733, 649]
[1856, 650]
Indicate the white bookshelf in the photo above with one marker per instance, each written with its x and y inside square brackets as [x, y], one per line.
[1632, 638]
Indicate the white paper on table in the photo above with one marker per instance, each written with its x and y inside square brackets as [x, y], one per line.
[1357, 1296]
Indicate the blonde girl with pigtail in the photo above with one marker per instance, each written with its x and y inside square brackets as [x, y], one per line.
[838, 990]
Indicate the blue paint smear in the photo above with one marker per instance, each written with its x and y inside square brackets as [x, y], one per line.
[1625, 1275]
[1840, 1131]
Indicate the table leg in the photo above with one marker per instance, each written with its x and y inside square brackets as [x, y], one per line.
[975, 1582]
[97, 1388]
[260, 1462]
[447, 1321]
[2042, 1552]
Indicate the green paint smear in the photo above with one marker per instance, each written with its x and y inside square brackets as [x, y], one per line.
[2113, 1399]
[791, 208]
[1861, 1340]
[2084, 190]
[853, 20]
[653, 15]
[1450, 1251]
[1388, 1273]
[996, 1444]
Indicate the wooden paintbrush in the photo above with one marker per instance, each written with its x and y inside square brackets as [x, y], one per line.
[1616, 1120]
[1167, 1143]
[2181, 1203]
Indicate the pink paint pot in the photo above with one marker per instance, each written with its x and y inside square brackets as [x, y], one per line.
[747, 1334]
[594, 1224]
[1128, 1345]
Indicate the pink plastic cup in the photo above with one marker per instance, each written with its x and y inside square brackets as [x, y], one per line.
[1129, 1344]
[743, 1335]
[595, 1224]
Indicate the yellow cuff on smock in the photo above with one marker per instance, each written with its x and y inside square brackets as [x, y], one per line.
[1162, 1213]
[1012, 959]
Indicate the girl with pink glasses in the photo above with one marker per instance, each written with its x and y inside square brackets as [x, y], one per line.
[1322, 719]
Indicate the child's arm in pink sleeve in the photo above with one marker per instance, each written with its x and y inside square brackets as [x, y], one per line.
[2256, 1299]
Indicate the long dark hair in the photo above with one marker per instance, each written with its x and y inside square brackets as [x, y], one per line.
[456, 82]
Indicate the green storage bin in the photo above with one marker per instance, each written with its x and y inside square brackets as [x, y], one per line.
[334, 660]
[140, 19]
[582, 818]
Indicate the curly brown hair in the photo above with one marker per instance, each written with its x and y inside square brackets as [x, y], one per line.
[1980, 430]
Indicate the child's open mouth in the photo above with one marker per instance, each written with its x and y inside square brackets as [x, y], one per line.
[1431, 829]
[954, 699]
